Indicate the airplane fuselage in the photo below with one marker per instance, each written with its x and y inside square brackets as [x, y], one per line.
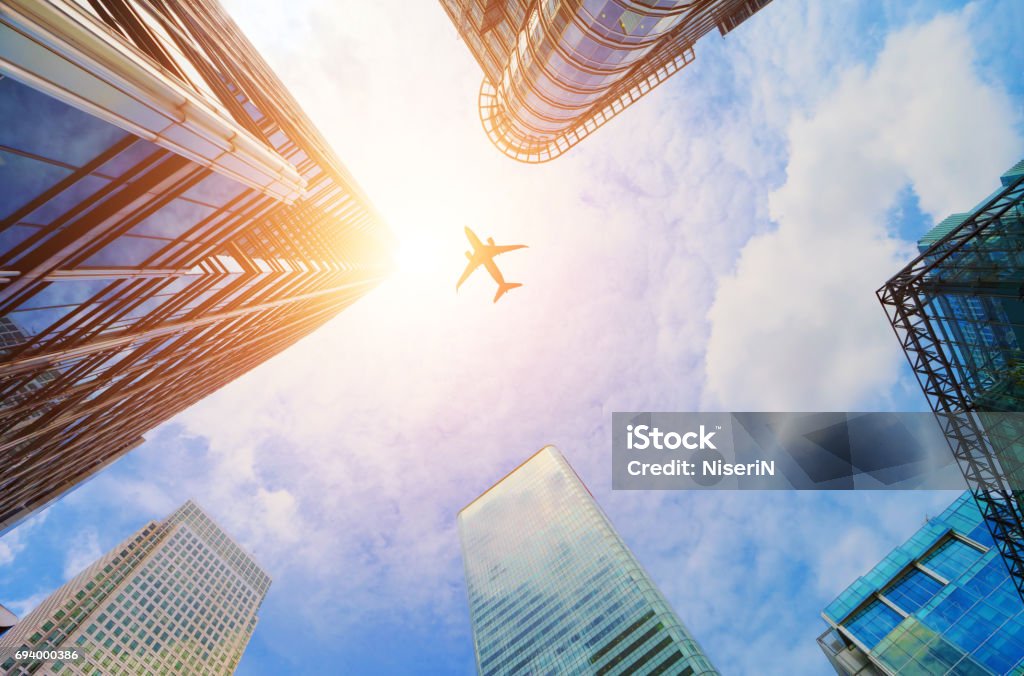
[483, 254]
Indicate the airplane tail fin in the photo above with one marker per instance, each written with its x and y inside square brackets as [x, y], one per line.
[502, 288]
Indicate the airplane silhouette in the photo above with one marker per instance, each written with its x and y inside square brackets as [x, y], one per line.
[483, 254]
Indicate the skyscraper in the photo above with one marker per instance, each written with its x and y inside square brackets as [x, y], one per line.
[553, 589]
[940, 603]
[179, 596]
[169, 219]
[7, 620]
[556, 70]
[958, 311]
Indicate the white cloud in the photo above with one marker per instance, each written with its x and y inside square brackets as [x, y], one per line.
[341, 464]
[22, 607]
[82, 553]
[750, 572]
[796, 324]
[7, 552]
[16, 540]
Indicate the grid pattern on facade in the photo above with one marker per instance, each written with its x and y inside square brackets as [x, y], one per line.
[178, 597]
[552, 588]
[941, 603]
[557, 70]
[138, 275]
[958, 312]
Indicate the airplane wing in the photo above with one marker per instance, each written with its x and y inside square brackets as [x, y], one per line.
[473, 264]
[473, 239]
[495, 250]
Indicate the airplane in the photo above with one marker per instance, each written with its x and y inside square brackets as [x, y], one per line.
[483, 254]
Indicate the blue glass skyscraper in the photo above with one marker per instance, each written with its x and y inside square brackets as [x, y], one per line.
[553, 589]
[941, 603]
[958, 312]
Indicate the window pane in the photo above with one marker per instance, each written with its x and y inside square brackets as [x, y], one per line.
[873, 623]
[40, 124]
[952, 558]
[24, 179]
[912, 590]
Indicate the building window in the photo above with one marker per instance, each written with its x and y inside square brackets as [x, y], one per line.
[952, 558]
[873, 623]
[912, 590]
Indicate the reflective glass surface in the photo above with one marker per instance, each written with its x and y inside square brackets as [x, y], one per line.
[914, 589]
[134, 279]
[553, 589]
[962, 612]
[873, 623]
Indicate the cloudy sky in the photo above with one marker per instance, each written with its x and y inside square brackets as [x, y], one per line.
[717, 247]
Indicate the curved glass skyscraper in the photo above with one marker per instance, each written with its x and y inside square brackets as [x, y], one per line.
[556, 70]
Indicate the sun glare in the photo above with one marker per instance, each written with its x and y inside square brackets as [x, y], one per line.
[429, 257]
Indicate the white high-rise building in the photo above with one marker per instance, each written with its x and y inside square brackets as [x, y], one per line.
[178, 597]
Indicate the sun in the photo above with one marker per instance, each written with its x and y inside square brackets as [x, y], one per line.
[429, 257]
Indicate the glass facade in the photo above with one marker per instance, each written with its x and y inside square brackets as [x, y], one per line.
[169, 219]
[555, 70]
[975, 300]
[958, 311]
[178, 597]
[941, 603]
[553, 589]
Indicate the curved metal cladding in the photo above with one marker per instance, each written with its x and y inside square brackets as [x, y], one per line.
[557, 70]
[169, 219]
[567, 57]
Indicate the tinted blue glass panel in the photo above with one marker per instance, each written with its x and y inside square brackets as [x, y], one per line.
[873, 623]
[952, 558]
[981, 534]
[66, 200]
[950, 609]
[125, 251]
[1000, 653]
[34, 322]
[914, 589]
[988, 578]
[71, 292]
[42, 125]
[13, 236]
[23, 179]
[215, 190]
[173, 219]
[976, 627]
[128, 158]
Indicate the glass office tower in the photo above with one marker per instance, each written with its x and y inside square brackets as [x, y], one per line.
[553, 589]
[556, 70]
[178, 597]
[941, 603]
[169, 219]
[958, 311]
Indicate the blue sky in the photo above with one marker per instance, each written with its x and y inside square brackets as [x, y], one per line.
[715, 248]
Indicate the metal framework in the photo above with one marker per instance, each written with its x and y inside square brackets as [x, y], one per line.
[499, 130]
[984, 446]
[493, 40]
